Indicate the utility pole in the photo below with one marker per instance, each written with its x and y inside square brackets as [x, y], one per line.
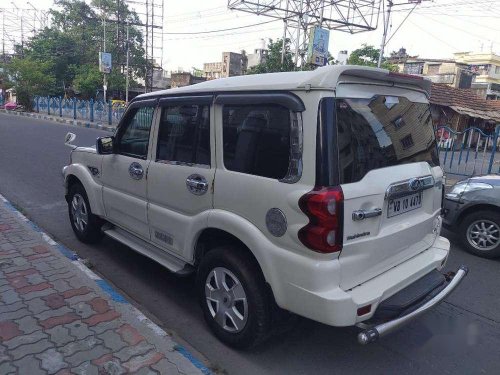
[384, 36]
[127, 69]
[390, 4]
[105, 82]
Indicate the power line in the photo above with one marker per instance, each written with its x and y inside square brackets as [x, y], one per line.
[221, 30]
[459, 29]
[433, 36]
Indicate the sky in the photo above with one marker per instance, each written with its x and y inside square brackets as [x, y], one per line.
[435, 29]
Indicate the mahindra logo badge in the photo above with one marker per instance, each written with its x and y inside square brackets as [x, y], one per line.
[414, 184]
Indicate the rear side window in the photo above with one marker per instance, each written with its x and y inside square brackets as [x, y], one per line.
[184, 134]
[257, 139]
[380, 132]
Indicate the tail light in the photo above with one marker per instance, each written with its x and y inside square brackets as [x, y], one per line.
[325, 209]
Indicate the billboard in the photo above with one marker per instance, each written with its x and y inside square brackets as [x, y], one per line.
[105, 62]
[317, 52]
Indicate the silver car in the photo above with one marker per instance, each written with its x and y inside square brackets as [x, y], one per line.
[472, 211]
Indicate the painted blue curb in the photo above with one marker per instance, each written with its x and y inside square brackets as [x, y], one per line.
[108, 289]
[66, 252]
[193, 360]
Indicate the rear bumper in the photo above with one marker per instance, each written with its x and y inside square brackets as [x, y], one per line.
[337, 307]
[373, 333]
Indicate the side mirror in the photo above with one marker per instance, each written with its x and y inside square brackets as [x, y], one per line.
[105, 145]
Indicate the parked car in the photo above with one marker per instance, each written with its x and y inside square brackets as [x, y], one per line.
[472, 210]
[319, 192]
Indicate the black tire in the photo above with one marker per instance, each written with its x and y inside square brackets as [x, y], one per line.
[91, 232]
[468, 221]
[244, 267]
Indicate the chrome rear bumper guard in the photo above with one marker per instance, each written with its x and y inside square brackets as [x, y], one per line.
[371, 334]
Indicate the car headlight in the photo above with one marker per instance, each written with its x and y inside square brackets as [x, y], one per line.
[466, 187]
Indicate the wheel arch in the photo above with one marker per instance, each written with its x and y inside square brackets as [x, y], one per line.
[212, 237]
[475, 208]
[78, 174]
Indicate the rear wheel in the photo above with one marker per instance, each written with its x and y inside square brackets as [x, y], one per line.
[480, 233]
[87, 226]
[234, 298]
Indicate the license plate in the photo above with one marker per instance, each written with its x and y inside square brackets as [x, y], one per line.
[404, 204]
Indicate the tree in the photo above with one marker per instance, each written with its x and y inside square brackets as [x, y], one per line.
[273, 60]
[368, 56]
[71, 48]
[31, 77]
[87, 80]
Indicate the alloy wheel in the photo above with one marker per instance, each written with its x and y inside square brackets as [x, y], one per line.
[79, 212]
[483, 235]
[226, 299]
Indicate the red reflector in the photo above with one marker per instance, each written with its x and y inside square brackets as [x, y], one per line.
[364, 310]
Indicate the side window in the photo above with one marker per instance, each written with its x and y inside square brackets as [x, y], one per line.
[133, 138]
[257, 139]
[184, 135]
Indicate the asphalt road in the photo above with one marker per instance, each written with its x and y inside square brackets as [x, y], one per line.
[461, 336]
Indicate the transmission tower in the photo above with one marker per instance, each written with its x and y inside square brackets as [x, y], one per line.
[351, 16]
[17, 25]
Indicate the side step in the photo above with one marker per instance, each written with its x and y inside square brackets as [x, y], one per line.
[162, 257]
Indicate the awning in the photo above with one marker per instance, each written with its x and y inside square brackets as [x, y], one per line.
[486, 115]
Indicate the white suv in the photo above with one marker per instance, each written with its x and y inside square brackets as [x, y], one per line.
[317, 191]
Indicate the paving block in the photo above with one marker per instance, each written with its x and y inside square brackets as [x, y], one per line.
[29, 365]
[79, 330]
[52, 361]
[37, 305]
[78, 346]
[13, 307]
[28, 324]
[25, 339]
[86, 368]
[87, 355]
[60, 335]
[112, 340]
[130, 351]
[34, 348]
[140, 361]
[9, 296]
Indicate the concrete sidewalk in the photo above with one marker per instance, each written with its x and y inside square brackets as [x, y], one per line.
[58, 317]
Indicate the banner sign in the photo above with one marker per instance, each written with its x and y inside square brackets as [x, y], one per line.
[317, 52]
[105, 62]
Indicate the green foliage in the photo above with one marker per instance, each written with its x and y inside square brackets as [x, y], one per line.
[368, 56]
[87, 80]
[273, 61]
[71, 48]
[31, 77]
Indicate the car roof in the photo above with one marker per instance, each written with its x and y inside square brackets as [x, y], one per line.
[327, 77]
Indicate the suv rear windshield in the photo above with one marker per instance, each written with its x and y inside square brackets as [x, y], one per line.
[380, 132]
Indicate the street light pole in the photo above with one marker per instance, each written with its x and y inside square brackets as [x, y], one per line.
[127, 70]
[105, 83]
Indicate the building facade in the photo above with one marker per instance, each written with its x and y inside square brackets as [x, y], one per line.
[486, 70]
[232, 64]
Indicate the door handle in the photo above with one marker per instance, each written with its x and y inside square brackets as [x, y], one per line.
[197, 184]
[135, 170]
[364, 214]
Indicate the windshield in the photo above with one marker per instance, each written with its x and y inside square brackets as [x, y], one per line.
[380, 132]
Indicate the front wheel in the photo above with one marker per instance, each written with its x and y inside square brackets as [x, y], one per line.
[480, 233]
[85, 224]
[233, 297]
